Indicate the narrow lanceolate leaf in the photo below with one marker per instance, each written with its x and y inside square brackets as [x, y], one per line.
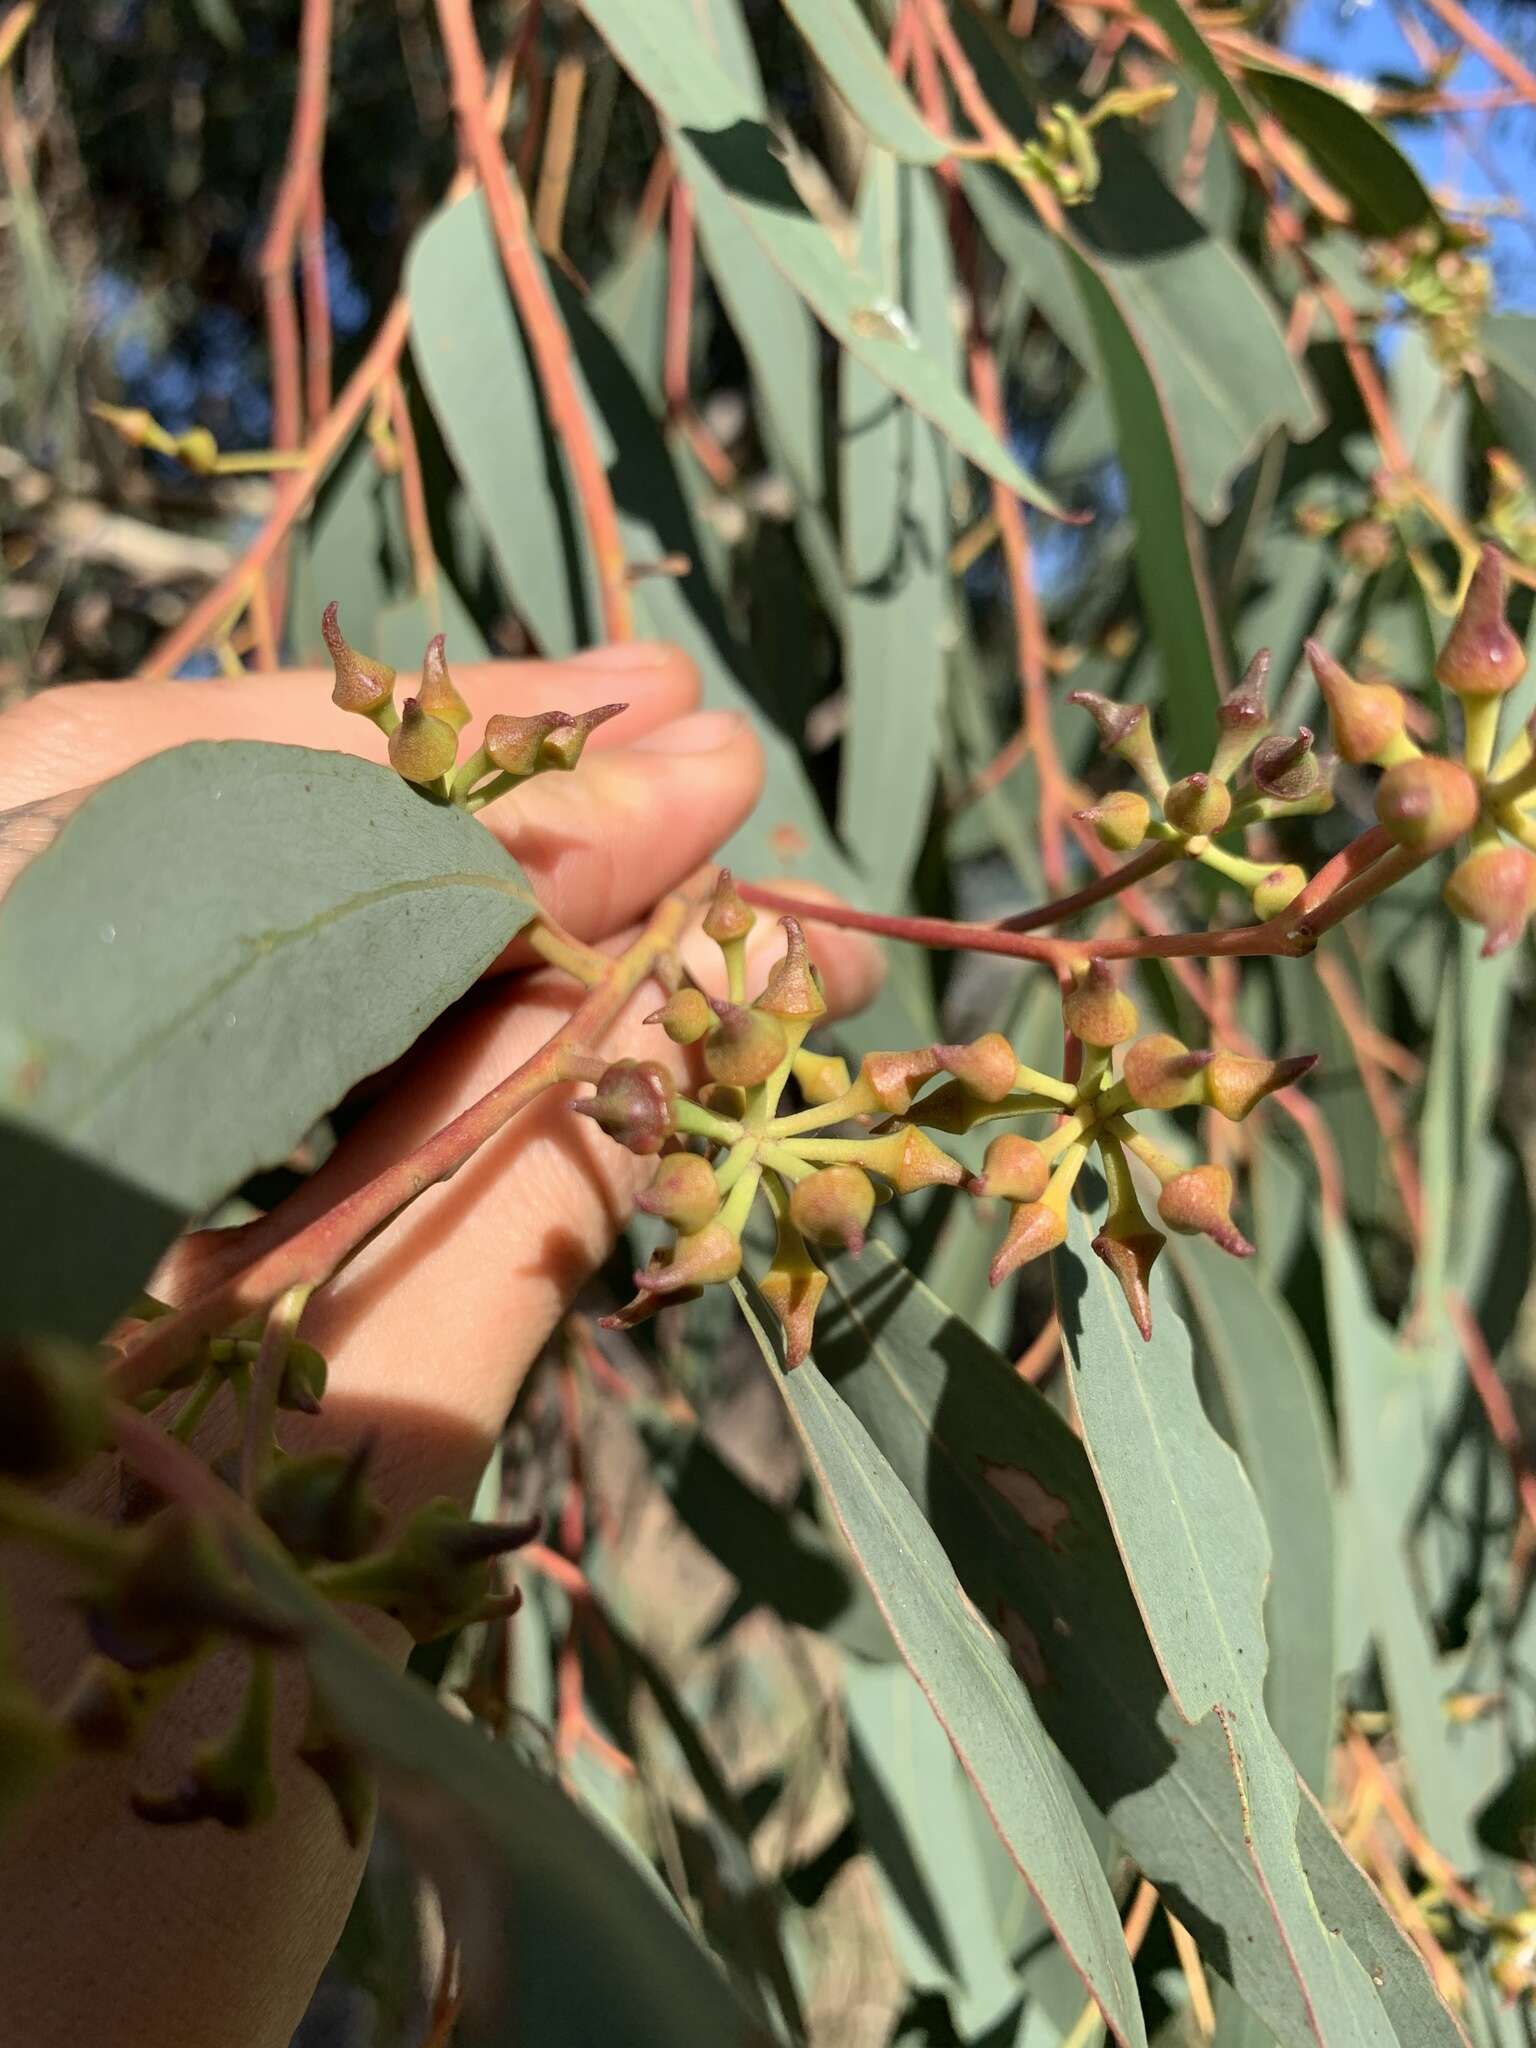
[1200, 62]
[1383, 1415]
[560, 1931]
[1349, 148]
[469, 349]
[1268, 1384]
[953, 1653]
[218, 945]
[1195, 1550]
[719, 143]
[895, 503]
[1002, 1480]
[853, 60]
[1508, 343]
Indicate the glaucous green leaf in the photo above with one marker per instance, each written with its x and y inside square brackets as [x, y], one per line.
[895, 523]
[952, 1652]
[218, 945]
[1507, 341]
[853, 60]
[1006, 1486]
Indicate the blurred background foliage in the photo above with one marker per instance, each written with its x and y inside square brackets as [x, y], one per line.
[1280, 390]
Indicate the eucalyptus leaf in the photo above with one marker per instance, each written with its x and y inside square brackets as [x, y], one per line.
[856, 64]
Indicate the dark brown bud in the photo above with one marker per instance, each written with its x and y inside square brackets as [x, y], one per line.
[1285, 768]
[1119, 820]
[745, 1046]
[793, 988]
[53, 1412]
[1427, 804]
[1495, 887]
[1481, 656]
[320, 1507]
[833, 1206]
[1097, 1011]
[1369, 719]
[437, 695]
[362, 684]
[1235, 1085]
[422, 748]
[1160, 1072]
[988, 1067]
[684, 1193]
[1014, 1168]
[634, 1105]
[727, 919]
[1197, 805]
[685, 1016]
[1198, 1202]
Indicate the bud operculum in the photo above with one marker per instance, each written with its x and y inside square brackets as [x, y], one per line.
[422, 748]
[1482, 656]
[1097, 1011]
[363, 685]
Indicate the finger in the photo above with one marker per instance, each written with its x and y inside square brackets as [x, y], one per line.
[430, 1331]
[65, 738]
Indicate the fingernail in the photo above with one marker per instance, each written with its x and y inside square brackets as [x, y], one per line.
[701, 732]
[629, 657]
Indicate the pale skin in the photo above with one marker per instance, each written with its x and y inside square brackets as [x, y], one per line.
[123, 1935]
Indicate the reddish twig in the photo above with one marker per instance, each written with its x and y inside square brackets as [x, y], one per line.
[413, 494]
[1495, 54]
[545, 329]
[1147, 862]
[1494, 1397]
[677, 342]
[314, 272]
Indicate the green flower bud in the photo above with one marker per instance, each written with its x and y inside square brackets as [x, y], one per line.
[1198, 1202]
[422, 748]
[833, 1206]
[1197, 805]
[565, 743]
[53, 1412]
[1427, 804]
[1013, 1167]
[1285, 769]
[745, 1046]
[1235, 1085]
[1119, 820]
[437, 695]
[1274, 894]
[1127, 1243]
[513, 744]
[728, 919]
[436, 1575]
[362, 684]
[1125, 730]
[302, 1387]
[320, 1506]
[232, 1781]
[684, 1193]
[634, 1104]
[685, 1016]
[821, 1078]
[1481, 656]
[1160, 1072]
[1369, 719]
[793, 988]
[1494, 887]
[177, 1591]
[1097, 1011]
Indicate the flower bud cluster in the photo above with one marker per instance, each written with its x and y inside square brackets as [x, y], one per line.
[1255, 776]
[424, 730]
[1431, 803]
[1449, 289]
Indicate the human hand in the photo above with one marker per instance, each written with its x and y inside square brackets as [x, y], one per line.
[428, 1333]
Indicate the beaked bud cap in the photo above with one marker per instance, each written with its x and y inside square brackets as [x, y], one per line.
[1034, 1229]
[684, 1192]
[728, 918]
[1285, 768]
[700, 1258]
[1482, 656]
[422, 748]
[745, 1046]
[362, 684]
[1366, 717]
[1130, 1252]
[633, 1103]
[987, 1067]
[1198, 1203]
[1197, 805]
[1119, 820]
[1494, 887]
[685, 1016]
[1014, 1168]
[1098, 1011]
[1160, 1072]
[833, 1206]
[437, 695]
[793, 987]
[1235, 1085]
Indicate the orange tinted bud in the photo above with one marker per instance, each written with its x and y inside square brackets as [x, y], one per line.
[1427, 804]
[1130, 1255]
[684, 1192]
[422, 748]
[793, 988]
[1278, 891]
[1234, 1085]
[1496, 888]
[793, 1287]
[685, 1016]
[1367, 717]
[1243, 718]
[362, 684]
[565, 742]
[1285, 768]
[1098, 1012]
[745, 1047]
[1198, 1202]
[1120, 822]
[633, 1104]
[833, 1206]
[988, 1066]
[1013, 1167]
[727, 917]
[1161, 1072]
[1198, 805]
[437, 695]
[821, 1078]
[513, 743]
[909, 1160]
[889, 1080]
[1034, 1229]
[1481, 656]
[703, 1258]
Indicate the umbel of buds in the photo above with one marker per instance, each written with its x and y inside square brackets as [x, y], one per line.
[1255, 777]
[424, 731]
[858, 1140]
[1431, 803]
